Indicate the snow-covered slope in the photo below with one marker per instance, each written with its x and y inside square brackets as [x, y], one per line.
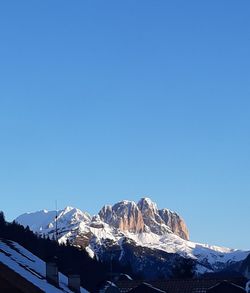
[30, 267]
[67, 221]
[141, 225]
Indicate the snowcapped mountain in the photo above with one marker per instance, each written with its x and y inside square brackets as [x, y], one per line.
[139, 235]
[143, 217]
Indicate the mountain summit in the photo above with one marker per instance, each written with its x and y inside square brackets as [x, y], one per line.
[142, 236]
[143, 217]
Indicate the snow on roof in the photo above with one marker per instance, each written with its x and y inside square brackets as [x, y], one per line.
[143, 286]
[226, 284]
[30, 267]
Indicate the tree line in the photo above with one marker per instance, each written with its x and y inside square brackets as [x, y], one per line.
[70, 260]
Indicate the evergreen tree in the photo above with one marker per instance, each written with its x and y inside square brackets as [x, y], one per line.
[69, 258]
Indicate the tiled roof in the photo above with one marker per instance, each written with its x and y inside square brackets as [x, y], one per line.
[226, 287]
[29, 267]
[146, 288]
[180, 286]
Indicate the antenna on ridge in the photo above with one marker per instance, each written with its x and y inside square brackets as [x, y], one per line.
[56, 223]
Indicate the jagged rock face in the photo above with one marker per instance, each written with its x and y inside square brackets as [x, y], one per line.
[143, 217]
[175, 223]
[127, 216]
[151, 217]
[162, 221]
[124, 215]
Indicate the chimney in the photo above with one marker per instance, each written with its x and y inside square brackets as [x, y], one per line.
[247, 273]
[74, 283]
[52, 273]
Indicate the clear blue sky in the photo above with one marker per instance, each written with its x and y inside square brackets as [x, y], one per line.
[108, 100]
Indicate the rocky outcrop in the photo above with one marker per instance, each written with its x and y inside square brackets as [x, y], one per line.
[143, 217]
[162, 221]
[124, 215]
[175, 223]
[151, 217]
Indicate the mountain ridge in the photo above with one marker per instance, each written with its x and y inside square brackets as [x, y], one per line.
[129, 228]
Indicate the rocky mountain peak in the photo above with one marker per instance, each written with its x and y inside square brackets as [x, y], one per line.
[124, 215]
[151, 217]
[158, 237]
[147, 206]
[127, 216]
[175, 222]
[143, 217]
[162, 221]
[106, 214]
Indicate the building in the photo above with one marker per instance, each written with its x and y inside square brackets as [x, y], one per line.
[180, 285]
[146, 288]
[226, 287]
[23, 272]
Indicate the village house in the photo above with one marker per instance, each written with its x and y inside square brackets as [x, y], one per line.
[23, 272]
